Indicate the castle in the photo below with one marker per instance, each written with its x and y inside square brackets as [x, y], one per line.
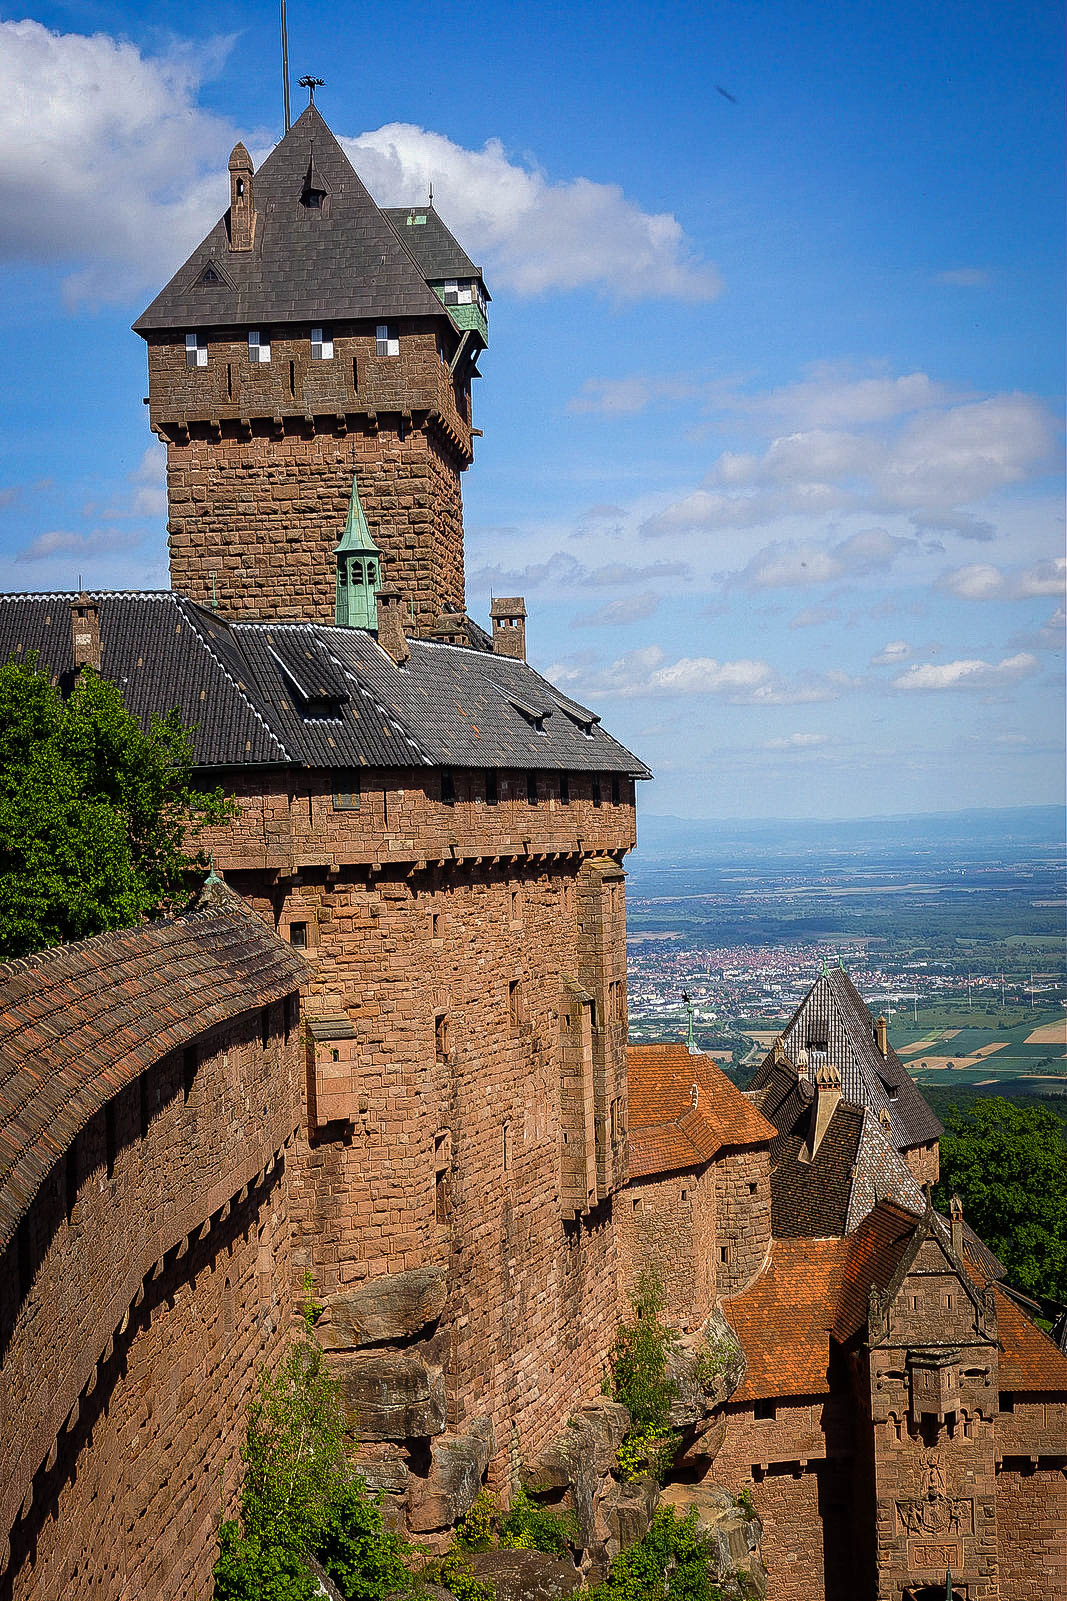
[391, 1049]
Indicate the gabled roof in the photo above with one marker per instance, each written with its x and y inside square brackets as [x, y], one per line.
[434, 246]
[80, 1022]
[667, 1132]
[835, 1012]
[308, 695]
[345, 261]
[783, 1319]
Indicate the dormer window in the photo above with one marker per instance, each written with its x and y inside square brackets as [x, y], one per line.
[258, 346]
[195, 351]
[321, 344]
[386, 340]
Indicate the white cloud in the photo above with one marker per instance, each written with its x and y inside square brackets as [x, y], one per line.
[898, 650]
[945, 459]
[121, 171]
[533, 233]
[797, 742]
[972, 674]
[625, 397]
[787, 565]
[983, 581]
[835, 396]
[965, 277]
[63, 542]
[814, 617]
[628, 609]
[744, 682]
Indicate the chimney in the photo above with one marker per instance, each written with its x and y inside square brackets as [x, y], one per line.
[242, 204]
[827, 1095]
[955, 1212]
[508, 615]
[882, 1037]
[85, 633]
[391, 635]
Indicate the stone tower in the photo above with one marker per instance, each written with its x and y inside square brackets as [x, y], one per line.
[312, 341]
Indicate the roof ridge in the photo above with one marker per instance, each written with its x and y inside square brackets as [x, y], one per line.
[224, 670]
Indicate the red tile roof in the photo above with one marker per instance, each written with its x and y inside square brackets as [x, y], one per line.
[783, 1320]
[667, 1132]
[1029, 1360]
[80, 1022]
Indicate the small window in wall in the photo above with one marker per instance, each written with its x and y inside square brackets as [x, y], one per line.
[766, 1410]
[516, 905]
[684, 1195]
[448, 787]
[565, 789]
[195, 351]
[752, 1188]
[440, 1189]
[346, 792]
[440, 1036]
[435, 925]
[598, 797]
[531, 788]
[492, 788]
[321, 344]
[515, 1002]
[386, 341]
[637, 1203]
[724, 1253]
[298, 935]
[616, 790]
[258, 346]
[505, 1146]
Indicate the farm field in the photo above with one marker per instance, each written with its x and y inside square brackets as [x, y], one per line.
[1003, 1051]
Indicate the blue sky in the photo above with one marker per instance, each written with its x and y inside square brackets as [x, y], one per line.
[773, 406]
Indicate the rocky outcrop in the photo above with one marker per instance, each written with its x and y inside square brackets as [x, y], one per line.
[707, 1367]
[390, 1395]
[623, 1514]
[393, 1306]
[383, 1467]
[734, 1534]
[580, 1459]
[525, 1575]
[457, 1467]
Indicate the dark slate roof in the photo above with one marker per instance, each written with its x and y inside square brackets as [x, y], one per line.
[80, 1022]
[307, 695]
[344, 262]
[833, 1010]
[435, 248]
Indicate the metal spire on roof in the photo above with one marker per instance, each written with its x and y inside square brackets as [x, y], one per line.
[310, 84]
[357, 536]
[690, 1038]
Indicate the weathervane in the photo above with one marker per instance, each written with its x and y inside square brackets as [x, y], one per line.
[310, 84]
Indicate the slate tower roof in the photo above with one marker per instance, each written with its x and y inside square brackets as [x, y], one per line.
[342, 259]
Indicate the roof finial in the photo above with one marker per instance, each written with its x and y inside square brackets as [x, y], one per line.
[431, 192]
[690, 1038]
[310, 84]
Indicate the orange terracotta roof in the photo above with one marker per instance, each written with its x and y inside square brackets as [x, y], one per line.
[667, 1132]
[783, 1320]
[1030, 1360]
[874, 1251]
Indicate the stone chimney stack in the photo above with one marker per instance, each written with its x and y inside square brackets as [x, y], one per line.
[85, 633]
[955, 1212]
[882, 1036]
[391, 635]
[242, 203]
[827, 1095]
[508, 615]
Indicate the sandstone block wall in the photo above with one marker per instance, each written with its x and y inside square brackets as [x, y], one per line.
[1032, 1531]
[924, 1162]
[149, 1280]
[743, 1213]
[667, 1224]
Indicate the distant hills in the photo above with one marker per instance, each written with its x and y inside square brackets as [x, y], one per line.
[1015, 827]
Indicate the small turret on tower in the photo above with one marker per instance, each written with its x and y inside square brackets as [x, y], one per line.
[359, 570]
[242, 200]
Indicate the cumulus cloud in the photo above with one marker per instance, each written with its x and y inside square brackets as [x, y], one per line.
[833, 395]
[967, 674]
[64, 542]
[534, 233]
[628, 609]
[126, 171]
[744, 682]
[626, 397]
[562, 571]
[983, 581]
[814, 617]
[898, 650]
[789, 565]
[965, 277]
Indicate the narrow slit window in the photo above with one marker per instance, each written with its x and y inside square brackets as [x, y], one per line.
[598, 797]
[195, 351]
[258, 346]
[448, 787]
[492, 788]
[564, 789]
[515, 1002]
[440, 1035]
[616, 790]
[321, 344]
[531, 788]
[386, 340]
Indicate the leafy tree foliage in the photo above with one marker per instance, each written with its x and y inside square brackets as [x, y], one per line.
[1008, 1165]
[94, 812]
[638, 1377]
[671, 1563]
[301, 1496]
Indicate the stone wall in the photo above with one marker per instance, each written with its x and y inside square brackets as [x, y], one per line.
[147, 1282]
[743, 1213]
[667, 1224]
[924, 1162]
[1032, 1531]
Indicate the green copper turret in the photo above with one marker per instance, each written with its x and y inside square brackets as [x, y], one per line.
[359, 571]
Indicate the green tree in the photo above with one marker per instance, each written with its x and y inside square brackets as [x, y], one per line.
[638, 1377]
[94, 812]
[671, 1563]
[1008, 1165]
